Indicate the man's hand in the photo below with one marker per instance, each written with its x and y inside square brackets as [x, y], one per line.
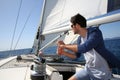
[60, 43]
[60, 47]
[59, 51]
[73, 47]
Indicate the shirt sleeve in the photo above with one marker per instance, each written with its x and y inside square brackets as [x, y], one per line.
[78, 42]
[92, 41]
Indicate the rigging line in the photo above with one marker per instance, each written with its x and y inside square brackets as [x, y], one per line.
[15, 25]
[53, 40]
[23, 27]
[21, 32]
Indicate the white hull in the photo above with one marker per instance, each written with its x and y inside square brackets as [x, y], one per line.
[10, 69]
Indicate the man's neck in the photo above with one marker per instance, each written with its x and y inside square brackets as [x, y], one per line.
[83, 32]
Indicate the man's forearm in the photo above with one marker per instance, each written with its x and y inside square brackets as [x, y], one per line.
[73, 48]
[73, 56]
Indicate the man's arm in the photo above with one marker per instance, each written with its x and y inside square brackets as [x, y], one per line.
[70, 55]
[61, 51]
[62, 46]
[92, 42]
[73, 48]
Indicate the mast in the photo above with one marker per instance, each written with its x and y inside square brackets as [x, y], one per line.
[40, 28]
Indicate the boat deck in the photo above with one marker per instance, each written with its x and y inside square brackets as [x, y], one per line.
[12, 69]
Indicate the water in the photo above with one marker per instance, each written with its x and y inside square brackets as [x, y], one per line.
[5, 54]
[112, 45]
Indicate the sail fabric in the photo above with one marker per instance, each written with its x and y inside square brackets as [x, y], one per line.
[57, 13]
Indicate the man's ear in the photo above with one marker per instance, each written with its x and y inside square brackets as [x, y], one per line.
[77, 26]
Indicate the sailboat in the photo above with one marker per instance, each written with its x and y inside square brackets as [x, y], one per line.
[54, 25]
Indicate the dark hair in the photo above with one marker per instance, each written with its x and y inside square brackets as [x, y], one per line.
[78, 19]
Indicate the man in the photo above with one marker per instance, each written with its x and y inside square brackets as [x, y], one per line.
[91, 45]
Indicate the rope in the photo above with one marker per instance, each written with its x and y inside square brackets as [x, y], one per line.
[26, 72]
[15, 25]
[24, 27]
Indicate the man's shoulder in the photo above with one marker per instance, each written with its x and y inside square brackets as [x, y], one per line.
[92, 29]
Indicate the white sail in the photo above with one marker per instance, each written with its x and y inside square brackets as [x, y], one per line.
[57, 13]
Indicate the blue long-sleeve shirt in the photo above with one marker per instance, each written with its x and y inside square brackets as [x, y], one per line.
[95, 40]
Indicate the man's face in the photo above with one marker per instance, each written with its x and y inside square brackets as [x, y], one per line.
[75, 28]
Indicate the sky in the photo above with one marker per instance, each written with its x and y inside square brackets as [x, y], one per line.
[8, 14]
